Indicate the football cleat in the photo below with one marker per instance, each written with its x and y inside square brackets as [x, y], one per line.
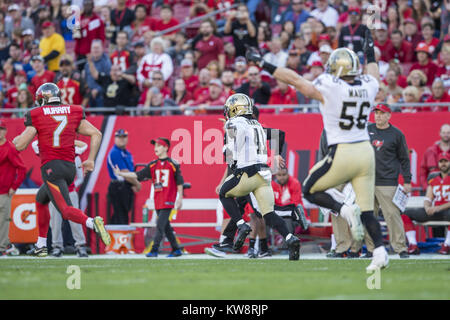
[264, 254]
[225, 247]
[243, 231]
[39, 252]
[403, 255]
[294, 248]
[251, 253]
[367, 255]
[380, 259]
[11, 250]
[82, 252]
[152, 254]
[175, 253]
[99, 228]
[413, 249]
[56, 252]
[353, 216]
[215, 253]
[352, 255]
[334, 254]
[445, 249]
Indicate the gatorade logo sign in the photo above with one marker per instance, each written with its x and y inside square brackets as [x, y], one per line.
[25, 217]
[24, 221]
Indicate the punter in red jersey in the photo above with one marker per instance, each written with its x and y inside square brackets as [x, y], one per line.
[56, 127]
[436, 206]
[167, 181]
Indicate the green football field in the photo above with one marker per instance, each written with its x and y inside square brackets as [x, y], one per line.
[220, 279]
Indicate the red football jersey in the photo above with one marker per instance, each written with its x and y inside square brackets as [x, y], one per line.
[166, 176]
[70, 91]
[57, 129]
[441, 189]
[121, 58]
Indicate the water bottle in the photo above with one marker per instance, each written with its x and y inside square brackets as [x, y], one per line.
[145, 214]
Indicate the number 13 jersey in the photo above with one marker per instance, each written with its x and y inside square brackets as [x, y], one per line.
[346, 107]
[57, 130]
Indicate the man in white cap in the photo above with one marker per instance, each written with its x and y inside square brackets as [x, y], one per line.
[17, 20]
[383, 42]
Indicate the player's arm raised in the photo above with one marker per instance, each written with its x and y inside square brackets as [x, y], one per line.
[369, 51]
[286, 75]
[87, 129]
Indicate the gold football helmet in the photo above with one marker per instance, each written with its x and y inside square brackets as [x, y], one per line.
[343, 62]
[238, 104]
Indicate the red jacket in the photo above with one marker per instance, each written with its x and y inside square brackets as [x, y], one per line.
[12, 168]
[278, 97]
[429, 163]
[290, 193]
[405, 54]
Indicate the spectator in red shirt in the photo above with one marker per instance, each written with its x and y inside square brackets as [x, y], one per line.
[430, 161]
[411, 33]
[230, 54]
[444, 72]
[141, 24]
[92, 27]
[394, 91]
[438, 95]
[315, 70]
[166, 21]
[241, 74]
[42, 76]
[180, 94]
[429, 40]
[13, 173]
[400, 49]
[418, 79]
[187, 74]
[424, 62]
[227, 79]
[209, 47]
[24, 102]
[5, 105]
[202, 89]
[121, 56]
[19, 78]
[383, 42]
[216, 97]
[282, 94]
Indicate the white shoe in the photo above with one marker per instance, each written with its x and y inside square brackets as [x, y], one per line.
[380, 259]
[353, 216]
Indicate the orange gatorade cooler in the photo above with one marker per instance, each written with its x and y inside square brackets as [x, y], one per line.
[23, 227]
[122, 239]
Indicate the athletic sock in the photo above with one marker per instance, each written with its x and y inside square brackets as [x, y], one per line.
[373, 227]
[333, 242]
[251, 243]
[411, 235]
[263, 247]
[41, 242]
[276, 222]
[323, 199]
[221, 238]
[90, 223]
[447, 238]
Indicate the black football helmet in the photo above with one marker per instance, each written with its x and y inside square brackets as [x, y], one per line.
[48, 93]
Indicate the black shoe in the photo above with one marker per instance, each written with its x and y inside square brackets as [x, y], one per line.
[243, 231]
[294, 248]
[368, 255]
[38, 252]
[335, 254]
[56, 252]
[352, 255]
[264, 254]
[81, 252]
[403, 255]
[251, 253]
[223, 247]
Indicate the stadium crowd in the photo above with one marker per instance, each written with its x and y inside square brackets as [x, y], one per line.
[119, 53]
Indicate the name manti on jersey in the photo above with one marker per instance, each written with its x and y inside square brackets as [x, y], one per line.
[245, 142]
[346, 107]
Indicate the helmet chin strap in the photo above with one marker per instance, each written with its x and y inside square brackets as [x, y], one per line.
[339, 72]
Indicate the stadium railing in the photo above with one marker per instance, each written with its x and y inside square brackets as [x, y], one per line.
[302, 108]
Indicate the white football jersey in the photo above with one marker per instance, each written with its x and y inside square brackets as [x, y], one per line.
[245, 142]
[346, 107]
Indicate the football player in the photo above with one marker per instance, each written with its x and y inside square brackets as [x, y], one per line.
[345, 99]
[247, 152]
[56, 127]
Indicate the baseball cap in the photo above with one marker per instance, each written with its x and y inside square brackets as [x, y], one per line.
[423, 47]
[325, 48]
[2, 124]
[353, 10]
[21, 73]
[409, 20]
[34, 58]
[162, 141]
[382, 26]
[241, 60]
[27, 32]
[317, 63]
[325, 36]
[216, 82]
[444, 156]
[13, 7]
[47, 24]
[383, 107]
[186, 63]
[121, 133]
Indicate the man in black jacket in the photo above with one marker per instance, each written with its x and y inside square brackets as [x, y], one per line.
[392, 158]
[255, 88]
[352, 35]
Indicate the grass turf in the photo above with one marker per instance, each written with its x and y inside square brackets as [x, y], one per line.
[222, 279]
